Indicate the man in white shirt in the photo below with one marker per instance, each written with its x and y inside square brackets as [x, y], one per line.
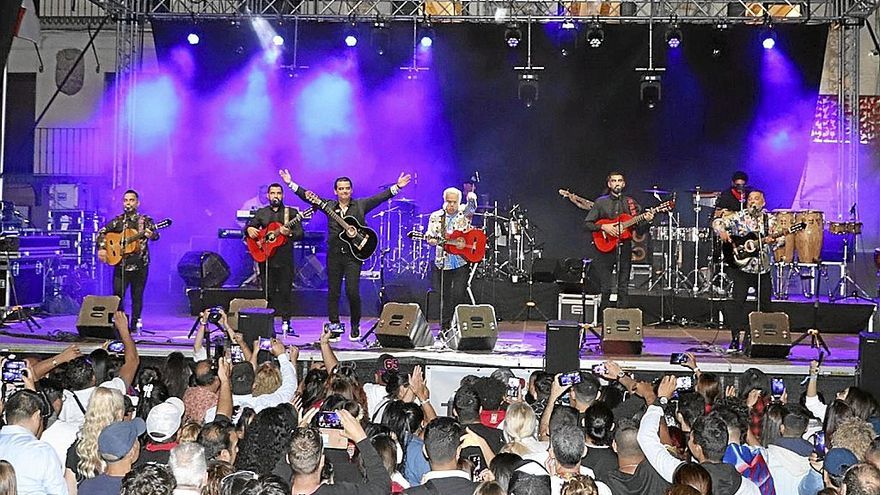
[37, 467]
[707, 443]
[243, 383]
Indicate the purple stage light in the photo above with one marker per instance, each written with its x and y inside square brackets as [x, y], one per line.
[768, 38]
[193, 38]
[426, 42]
[768, 43]
[351, 40]
[277, 40]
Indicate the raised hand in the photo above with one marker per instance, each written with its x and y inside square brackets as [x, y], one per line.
[403, 179]
[285, 175]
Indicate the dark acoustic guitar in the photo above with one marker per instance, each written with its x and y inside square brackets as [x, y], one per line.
[361, 239]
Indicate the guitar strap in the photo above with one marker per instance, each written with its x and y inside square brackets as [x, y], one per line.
[286, 215]
[633, 207]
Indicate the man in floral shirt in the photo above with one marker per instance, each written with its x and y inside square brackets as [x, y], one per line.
[755, 272]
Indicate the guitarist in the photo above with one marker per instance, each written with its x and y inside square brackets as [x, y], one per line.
[132, 270]
[340, 261]
[452, 269]
[611, 206]
[276, 274]
[756, 272]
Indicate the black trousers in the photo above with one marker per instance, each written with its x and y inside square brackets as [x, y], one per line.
[453, 292]
[277, 282]
[343, 265]
[603, 266]
[137, 281]
[736, 312]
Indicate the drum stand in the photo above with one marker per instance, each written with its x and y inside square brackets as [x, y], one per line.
[673, 276]
[847, 287]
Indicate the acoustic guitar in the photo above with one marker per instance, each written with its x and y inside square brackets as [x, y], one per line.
[742, 248]
[270, 237]
[120, 244]
[470, 245]
[606, 242]
[361, 239]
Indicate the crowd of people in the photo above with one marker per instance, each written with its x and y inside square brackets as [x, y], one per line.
[106, 423]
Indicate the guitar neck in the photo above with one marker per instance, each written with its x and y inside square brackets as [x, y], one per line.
[632, 221]
[336, 218]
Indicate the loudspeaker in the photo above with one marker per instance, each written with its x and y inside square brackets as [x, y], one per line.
[562, 348]
[403, 326]
[254, 323]
[474, 328]
[868, 368]
[205, 269]
[622, 331]
[239, 304]
[544, 269]
[768, 336]
[96, 317]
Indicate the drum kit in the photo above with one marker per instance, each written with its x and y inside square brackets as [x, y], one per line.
[511, 245]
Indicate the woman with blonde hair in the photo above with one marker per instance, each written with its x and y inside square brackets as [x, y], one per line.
[267, 379]
[7, 479]
[520, 430]
[580, 485]
[106, 406]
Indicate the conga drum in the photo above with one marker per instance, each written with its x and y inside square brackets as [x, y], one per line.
[784, 221]
[809, 240]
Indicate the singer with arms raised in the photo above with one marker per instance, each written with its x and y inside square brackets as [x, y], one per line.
[450, 271]
[755, 272]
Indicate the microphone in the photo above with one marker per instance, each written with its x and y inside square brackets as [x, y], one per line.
[476, 176]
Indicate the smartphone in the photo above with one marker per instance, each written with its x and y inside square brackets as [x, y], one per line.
[116, 347]
[513, 386]
[12, 370]
[684, 383]
[265, 344]
[678, 358]
[600, 369]
[819, 444]
[329, 419]
[236, 354]
[477, 461]
[777, 387]
[569, 379]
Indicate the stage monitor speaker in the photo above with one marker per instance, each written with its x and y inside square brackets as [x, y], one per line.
[562, 349]
[769, 336]
[544, 269]
[403, 326]
[204, 269]
[474, 328]
[96, 317]
[622, 331]
[240, 304]
[868, 368]
[254, 323]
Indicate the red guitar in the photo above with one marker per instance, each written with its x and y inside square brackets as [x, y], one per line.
[606, 243]
[270, 237]
[470, 245]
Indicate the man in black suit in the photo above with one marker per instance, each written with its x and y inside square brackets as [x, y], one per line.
[442, 448]
[341, 263]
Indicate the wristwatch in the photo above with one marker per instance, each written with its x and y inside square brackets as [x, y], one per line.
[661, 401]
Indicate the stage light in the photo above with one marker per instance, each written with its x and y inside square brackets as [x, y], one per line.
[650, 89]
[512, 35]
[426, 35]
[719, 40]
[193, 38]
[351, 35]
[568, 37]
[673, 35]
[595, 35]
[380, 36]
[527, 90]
[768, 37]
[277, 40]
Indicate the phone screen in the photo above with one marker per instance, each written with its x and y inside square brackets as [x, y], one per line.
[819, 444]
[568, 379]
[777, 387]
[329, 419]
[678, 358]
[477, 461]
[599, 369]
[236, 354]
[12, 370]
[265, 344]
[513, 387]
[116, 346]
[684, 383]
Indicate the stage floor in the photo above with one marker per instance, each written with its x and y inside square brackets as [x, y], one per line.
[519, 345]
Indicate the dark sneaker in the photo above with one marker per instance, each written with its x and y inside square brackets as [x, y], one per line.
[734, 346]
[355, 334]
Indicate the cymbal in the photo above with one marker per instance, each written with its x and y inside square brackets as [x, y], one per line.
[403, 200]
[656, 191]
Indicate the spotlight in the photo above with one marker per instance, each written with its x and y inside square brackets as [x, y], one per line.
[527, 90]
[277, 40]
[673, 35]
[650, 89]
[568, 37]
[351, 35]
[595, 35]
[426, 35]
[380, 36]
[768, 37]
[512, 35]
[193, 38]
